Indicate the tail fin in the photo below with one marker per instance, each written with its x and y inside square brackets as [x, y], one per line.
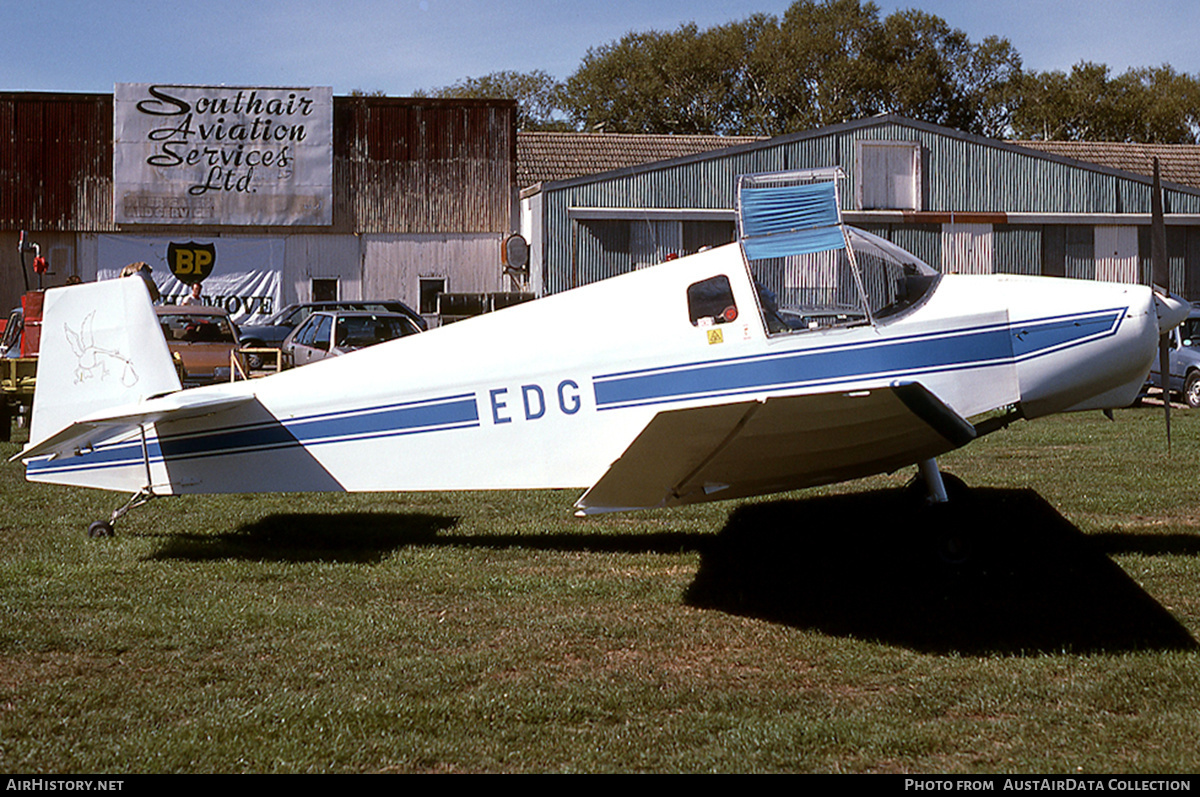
[101, 347]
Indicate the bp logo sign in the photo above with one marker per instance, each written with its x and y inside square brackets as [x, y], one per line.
[191, 262]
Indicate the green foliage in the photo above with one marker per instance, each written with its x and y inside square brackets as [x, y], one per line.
[822, 63]
[1149, 105]
[681, 82]
[539, 96]
[830, 61]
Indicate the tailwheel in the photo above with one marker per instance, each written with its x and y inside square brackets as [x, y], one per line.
[101, 528]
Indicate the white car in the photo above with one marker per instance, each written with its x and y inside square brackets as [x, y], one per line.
[329, 334]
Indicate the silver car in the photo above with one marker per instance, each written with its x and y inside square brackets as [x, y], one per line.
[329, 334]
[1184, 360]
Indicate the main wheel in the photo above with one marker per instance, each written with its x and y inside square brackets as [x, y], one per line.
[1191, 389]
[101, 528]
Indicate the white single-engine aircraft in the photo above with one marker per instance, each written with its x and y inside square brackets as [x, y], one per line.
[805, 353]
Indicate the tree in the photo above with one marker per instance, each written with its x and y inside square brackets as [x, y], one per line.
[830, 61]
[813, 66]
[993, 77]
[822, 63]
[539, 96]
[654, 82]
[1148, 105]
[1168, 109]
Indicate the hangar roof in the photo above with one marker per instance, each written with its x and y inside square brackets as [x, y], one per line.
[543, 157]
[1178, 163]
[551, 156]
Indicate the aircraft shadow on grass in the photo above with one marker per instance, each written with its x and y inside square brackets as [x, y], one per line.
[361, 537]
[882, 566]
[877, 565]
[371, 536]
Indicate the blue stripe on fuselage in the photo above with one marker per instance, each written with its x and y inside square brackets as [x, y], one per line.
[831, 365]
[452, 412]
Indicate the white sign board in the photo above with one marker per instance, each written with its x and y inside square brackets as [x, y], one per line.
[222, 155]
[243, 275]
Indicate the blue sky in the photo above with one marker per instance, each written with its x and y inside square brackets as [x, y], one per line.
[404, 45]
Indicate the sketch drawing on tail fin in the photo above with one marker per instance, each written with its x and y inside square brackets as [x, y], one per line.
[92, 361]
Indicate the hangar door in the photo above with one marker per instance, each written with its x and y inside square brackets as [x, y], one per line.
[1117, 254]
[967, 249]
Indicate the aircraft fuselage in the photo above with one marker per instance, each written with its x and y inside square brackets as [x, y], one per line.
[551, 393]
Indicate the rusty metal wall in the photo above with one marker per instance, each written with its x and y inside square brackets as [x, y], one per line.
[400, 165]
[441, 171]
[56, 161]
[424, 165]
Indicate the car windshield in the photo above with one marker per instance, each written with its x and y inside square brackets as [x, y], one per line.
[295, 314]
[288, 317]
[354, 332]
[1189, 332]
[196, 328]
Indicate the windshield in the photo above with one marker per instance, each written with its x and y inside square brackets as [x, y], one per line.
[290, 316]
[822, 289]
[355, 332]
[1189, 332]
[181, 327]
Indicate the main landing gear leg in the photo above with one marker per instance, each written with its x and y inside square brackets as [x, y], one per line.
[948, 527]
[104, 528]
[933, 481]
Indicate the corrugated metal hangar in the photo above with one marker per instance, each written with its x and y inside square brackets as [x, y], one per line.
[422, 193]
[958, 201]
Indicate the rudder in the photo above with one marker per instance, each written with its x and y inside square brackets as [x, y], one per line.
[101, 347]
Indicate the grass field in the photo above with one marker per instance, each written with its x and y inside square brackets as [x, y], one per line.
[493, 632]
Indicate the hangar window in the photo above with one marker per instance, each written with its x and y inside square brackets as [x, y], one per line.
[324, 290]
[889, 175]
[430, 288]
[711, 302]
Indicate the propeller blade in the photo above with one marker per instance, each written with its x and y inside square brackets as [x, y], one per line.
[1171, 309]
[1164, 380]
[1160, 266]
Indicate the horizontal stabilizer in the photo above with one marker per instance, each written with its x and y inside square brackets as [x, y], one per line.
[90, 431]
[749, 448]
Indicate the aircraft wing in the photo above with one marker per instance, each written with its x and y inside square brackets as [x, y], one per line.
[114, 422]
[749, 448]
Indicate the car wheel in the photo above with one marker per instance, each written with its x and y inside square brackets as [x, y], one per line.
[1191, 389]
